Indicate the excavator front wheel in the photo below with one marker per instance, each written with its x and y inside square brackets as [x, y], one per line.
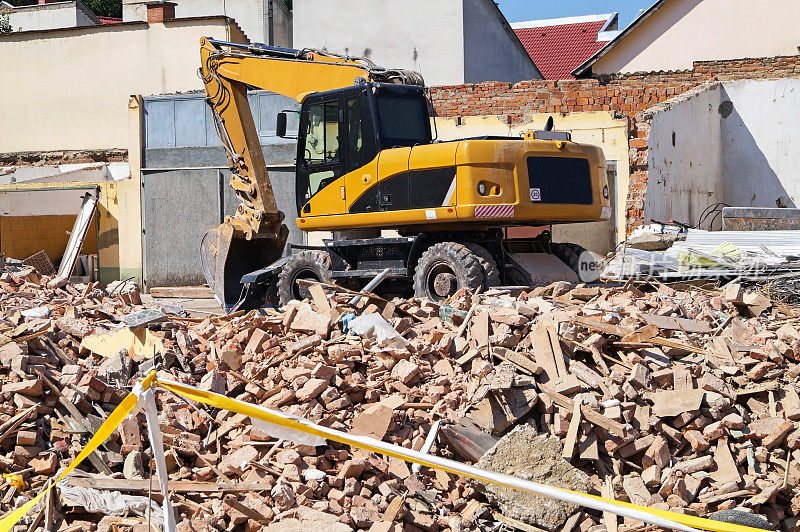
[307, 264]
[444, 269]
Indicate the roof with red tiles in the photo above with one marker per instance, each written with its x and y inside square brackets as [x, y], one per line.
[109, 20]
[558, 46]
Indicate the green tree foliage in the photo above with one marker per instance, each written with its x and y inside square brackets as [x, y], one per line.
[105, 8]
[5, 25]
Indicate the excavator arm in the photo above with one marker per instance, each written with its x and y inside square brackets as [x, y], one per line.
[255, 236]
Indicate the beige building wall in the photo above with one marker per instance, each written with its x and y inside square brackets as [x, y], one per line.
[683, 31]
[70, 88]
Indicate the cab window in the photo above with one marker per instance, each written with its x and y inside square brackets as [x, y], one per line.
[321, 153]
[322, 134]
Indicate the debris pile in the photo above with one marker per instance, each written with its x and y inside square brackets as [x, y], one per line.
[676, 399]
[672, 252]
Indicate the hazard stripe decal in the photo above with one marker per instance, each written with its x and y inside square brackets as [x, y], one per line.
[494, 211]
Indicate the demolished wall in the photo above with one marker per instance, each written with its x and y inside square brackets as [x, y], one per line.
[685, 156]
[726, 142]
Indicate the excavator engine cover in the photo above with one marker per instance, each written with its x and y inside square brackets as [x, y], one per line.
[226, 257]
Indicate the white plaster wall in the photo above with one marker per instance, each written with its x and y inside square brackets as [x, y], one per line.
[685, 158]
[492, 51]
[422, 35]
[40, 203]
[683, 31]
[70, 88]
[60, 15]
[251, 15]
[761, 143]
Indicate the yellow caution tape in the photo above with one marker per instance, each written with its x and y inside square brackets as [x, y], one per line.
[15, 480]
[659, 517]
[686, 523]
[105, 430]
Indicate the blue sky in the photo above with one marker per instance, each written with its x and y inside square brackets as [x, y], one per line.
[519, 10]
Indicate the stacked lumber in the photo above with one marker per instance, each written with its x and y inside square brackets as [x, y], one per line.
[685, 400]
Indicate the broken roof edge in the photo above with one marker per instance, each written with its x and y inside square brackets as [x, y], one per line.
[115, 27]
[666, 105]
[608, 18]
[586, 65]
[10, 8]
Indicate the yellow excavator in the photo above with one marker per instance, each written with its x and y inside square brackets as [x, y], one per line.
[367, 161]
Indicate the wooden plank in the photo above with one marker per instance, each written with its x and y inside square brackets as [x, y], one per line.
[613, 330]
[641, 335]
[726, 470]
[520, 360]
[232, 502]
[671, 323]
[682, 378]
[588, 448]
[572, 431]
[480, 328]
[179, 486]
[609, 518]
[666, 342]
[7, 428]
[593, 416]
[599, 326]
[184, 292]
[320, 299]
[543, 351]
[558, 353]
[80, 421]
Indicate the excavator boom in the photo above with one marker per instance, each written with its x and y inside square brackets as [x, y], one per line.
[256, 236]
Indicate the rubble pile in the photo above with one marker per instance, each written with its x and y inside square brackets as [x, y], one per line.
[684, 400]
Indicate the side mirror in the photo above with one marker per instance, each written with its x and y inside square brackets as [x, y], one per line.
[280, 128]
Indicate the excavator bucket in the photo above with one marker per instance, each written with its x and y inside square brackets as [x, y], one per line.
[226, 257]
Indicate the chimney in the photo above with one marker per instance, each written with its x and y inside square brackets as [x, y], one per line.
[43, 2]
[160, 11]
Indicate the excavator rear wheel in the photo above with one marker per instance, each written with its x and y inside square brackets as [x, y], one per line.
[445, 268]
[491, 273]
[307, 264]
[569, 254]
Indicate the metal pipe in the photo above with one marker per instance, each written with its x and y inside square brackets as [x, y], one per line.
[271, 18]
[370, 286]
[48, 189]
[278, 168]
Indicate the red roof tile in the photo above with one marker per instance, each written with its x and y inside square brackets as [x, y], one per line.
[110, 20]
[558, 50]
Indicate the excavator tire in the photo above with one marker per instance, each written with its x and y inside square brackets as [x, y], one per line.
[307, 264]
[569, 254]
[444, 268]
[491, 273]
[738, 517]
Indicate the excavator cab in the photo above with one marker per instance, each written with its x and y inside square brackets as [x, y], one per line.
[343, 130]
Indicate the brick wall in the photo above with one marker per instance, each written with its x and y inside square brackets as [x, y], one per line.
[625, 95]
